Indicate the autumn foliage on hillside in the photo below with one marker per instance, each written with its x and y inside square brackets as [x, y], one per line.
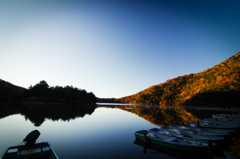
[163, 116]
[217, 86]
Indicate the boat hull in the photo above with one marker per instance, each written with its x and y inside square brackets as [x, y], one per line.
[37, 151]
[192, 148]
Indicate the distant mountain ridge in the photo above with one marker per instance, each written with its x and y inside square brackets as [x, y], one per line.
[217, 86]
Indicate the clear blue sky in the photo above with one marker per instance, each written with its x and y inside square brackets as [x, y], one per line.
[114, 48]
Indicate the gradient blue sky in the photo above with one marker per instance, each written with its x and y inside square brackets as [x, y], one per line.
[114, 48]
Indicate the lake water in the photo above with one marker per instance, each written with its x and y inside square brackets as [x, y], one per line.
[101, 131]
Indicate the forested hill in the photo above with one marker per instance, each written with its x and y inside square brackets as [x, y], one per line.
[42, 93]
[9, 92]
[217, 86]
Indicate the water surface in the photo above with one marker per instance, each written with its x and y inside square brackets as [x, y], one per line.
[101, 131]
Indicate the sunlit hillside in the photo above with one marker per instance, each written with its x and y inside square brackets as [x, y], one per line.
[217, 86]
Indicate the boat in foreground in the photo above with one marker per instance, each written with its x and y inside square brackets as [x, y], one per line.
[39, 151]
[30, 149]
[176, 143]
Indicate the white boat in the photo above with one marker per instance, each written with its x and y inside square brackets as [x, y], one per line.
[170, 136]
[187, 134]
[226, 115]
[190, 145]
[212, 125]
[204, 131]
[221, 122]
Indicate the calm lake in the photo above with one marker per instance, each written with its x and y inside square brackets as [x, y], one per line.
[101, 131]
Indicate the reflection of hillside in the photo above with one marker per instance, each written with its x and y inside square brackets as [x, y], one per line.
[168, 115]
[164, 116]
[38, 113]
[234, 148]
[203, 113]
[161, 116]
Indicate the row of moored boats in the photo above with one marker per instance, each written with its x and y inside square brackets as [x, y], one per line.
[194, 136]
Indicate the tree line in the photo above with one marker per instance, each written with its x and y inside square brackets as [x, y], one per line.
[41, 92]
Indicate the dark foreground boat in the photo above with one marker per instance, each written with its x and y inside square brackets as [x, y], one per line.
[37, 151]
[30, 149]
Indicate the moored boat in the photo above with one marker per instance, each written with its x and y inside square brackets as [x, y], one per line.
[156, 149]
[211, 125]
[233, 122]
[190, 145]
[187, 135]
[203, 131]
[226, 115]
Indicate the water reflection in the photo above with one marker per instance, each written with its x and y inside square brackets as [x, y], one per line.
[37, 114]
[160, 115]
[164, 116]
[167, 115]
[234, 148]
[108, 123]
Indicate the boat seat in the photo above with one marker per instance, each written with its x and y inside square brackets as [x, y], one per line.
[172, 139]
[190, 132]
[30, 151]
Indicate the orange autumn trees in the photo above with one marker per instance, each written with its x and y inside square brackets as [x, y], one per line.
[217, 86]
[163, 116]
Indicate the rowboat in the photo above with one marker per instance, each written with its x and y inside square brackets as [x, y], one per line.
[187, 135]
[226, 115]
[208, 132]
[227, 121]
[211, 125]
[190, 145]
[30, 149]
[156, 149]
[39, 150]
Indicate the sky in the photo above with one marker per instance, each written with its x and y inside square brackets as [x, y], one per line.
[114, 48]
